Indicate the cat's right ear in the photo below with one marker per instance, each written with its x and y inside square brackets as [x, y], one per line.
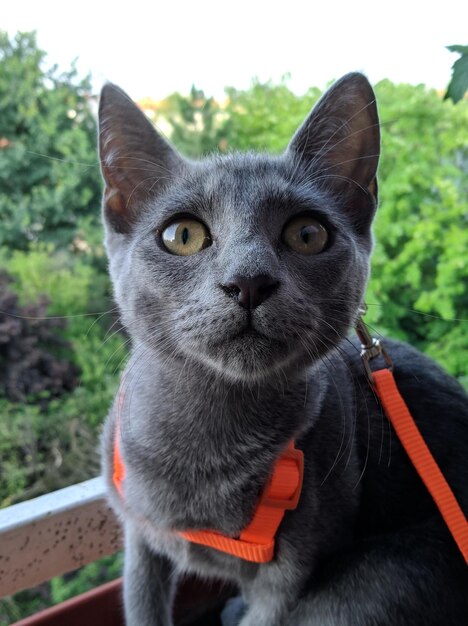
[136, 162]
[339, 146]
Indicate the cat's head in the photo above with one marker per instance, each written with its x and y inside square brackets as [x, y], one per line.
[247, 263]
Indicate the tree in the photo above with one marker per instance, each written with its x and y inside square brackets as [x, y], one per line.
[418, 288]
[265, 116]
[197, 122]
[50, 176]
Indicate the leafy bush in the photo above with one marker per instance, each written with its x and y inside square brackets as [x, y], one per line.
[29, 368]
[418, 287]
[48, 166]
[265, 116]
[198, 123]
[53, 443]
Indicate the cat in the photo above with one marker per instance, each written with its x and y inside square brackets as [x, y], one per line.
[238, 278]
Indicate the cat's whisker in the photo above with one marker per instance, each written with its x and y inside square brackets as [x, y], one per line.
[358, 382]
[152, 166]
[141, 182]
[340, 177]
[323, 358]
[64, 161]
[323, 151]
[120, 329]
[52, 317]
[344, 162]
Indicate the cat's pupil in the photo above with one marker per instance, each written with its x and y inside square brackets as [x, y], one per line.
[185, 236]
[305, 235]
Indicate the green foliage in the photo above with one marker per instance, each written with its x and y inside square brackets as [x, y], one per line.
[42, 270]
[56, 446]
[265, 116]
[459, 83]
[88, 577]
[420, 273]
[23, 604]
[48, 165]
[197, 122]
[43, 450]
[50, 239]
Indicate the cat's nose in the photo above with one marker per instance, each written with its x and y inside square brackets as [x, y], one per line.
[250, 291]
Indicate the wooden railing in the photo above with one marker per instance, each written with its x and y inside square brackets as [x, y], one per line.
[54, 534]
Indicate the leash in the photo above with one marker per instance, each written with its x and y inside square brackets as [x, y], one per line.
[397, 412]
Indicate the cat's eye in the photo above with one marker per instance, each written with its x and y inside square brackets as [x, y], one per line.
[186, 236]
[305, 235]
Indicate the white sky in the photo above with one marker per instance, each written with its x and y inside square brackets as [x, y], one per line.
[155, 48]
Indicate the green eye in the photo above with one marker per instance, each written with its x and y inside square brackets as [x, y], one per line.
[185, 237]
[305, 235]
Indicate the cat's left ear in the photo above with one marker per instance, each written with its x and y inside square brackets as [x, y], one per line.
[339, 146]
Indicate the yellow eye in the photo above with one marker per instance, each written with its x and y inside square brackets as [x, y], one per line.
[185, 237]
[305, 235]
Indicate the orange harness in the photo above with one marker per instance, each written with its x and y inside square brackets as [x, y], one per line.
[257, 541]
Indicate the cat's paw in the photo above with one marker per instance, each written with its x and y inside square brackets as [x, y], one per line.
[233, 612]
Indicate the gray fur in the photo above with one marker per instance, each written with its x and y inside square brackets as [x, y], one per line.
[204, 412]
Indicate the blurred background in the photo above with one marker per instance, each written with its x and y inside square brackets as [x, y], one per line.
[212, 77]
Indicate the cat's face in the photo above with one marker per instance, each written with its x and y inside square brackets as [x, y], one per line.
[248, 263]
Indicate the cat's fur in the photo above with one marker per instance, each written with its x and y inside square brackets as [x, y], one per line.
[204, 410]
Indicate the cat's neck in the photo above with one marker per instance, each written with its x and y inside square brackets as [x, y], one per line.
[172, 397]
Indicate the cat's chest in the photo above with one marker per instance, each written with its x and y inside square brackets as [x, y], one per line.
[193, 477]
[198, 456]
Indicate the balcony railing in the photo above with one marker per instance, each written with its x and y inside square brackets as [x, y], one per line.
[54, 534]
[61, 531]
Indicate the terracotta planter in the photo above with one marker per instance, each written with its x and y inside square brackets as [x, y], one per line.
[197, 604]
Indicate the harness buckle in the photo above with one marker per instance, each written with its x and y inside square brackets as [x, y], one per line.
[371, 348]
[282, 468]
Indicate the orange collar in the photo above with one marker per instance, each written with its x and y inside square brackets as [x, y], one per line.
[256, 542]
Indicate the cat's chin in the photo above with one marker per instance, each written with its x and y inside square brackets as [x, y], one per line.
[251, 357]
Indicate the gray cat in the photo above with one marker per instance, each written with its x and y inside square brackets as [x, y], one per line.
[238, 279]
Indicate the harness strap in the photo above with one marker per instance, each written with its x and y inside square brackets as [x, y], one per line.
[410, 437]
[256, 542]
[118, 474]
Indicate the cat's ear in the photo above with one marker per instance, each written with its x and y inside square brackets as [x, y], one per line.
[136, 162]
[339, 144]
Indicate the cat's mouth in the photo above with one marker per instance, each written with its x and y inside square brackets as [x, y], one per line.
[248, 332]
[247, 352]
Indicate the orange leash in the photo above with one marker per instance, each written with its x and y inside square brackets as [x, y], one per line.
[412, 441]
